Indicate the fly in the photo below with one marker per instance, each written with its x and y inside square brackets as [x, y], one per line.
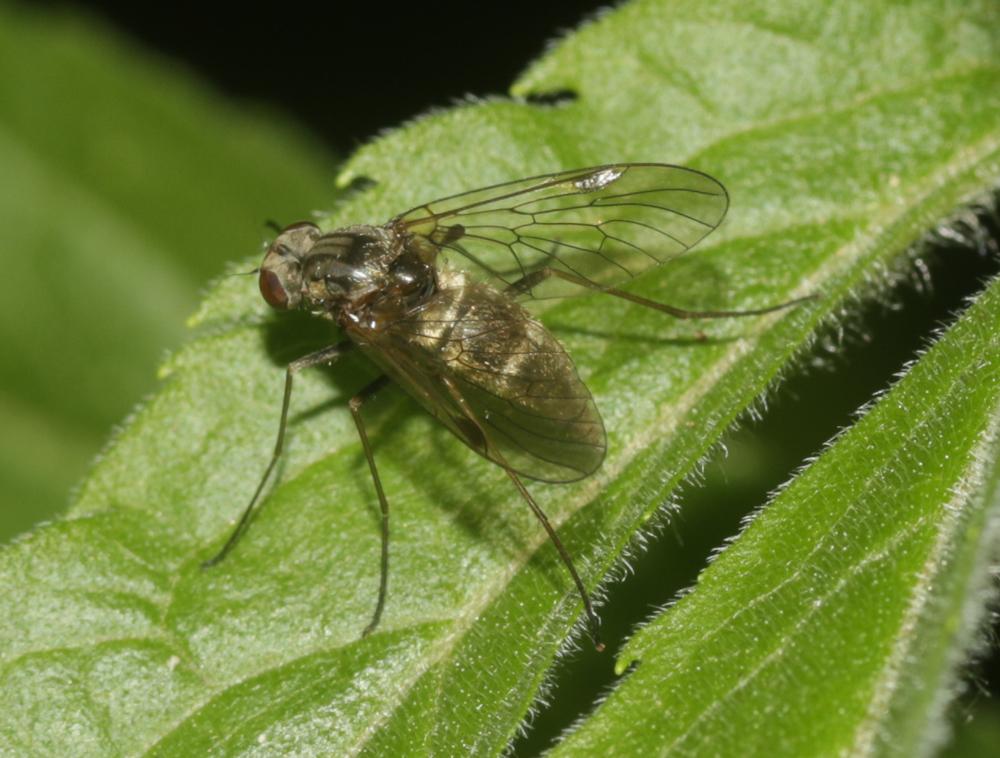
[438, 298]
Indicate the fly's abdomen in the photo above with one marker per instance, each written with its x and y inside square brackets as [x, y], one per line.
[499, 380]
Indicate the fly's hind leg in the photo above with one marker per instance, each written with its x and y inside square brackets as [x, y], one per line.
[326, 355]
[588, 606]
[526, 283]
[355, 405]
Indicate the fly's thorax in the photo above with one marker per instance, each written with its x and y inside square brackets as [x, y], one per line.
[345, 272]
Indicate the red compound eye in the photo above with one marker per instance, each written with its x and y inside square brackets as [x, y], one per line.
[273, 290]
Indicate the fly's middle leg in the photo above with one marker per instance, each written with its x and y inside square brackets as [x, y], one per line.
[355, 405]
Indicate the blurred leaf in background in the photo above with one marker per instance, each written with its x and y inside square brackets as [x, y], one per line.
[125, 187]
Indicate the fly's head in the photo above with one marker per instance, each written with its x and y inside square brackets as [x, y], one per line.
[280, 278]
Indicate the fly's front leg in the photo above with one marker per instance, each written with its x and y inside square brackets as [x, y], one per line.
[326, 355]
[355, 405]
[526, 283]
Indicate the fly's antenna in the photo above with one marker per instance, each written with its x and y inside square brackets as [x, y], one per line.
[244, 273]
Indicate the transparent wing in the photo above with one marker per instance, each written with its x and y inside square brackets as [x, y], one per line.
[606, 224]
[497, 379]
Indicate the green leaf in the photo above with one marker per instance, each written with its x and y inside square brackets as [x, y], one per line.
[860, 586]
[841, 133]
[124, 187]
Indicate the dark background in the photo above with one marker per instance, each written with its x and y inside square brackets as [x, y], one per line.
[350, 71]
